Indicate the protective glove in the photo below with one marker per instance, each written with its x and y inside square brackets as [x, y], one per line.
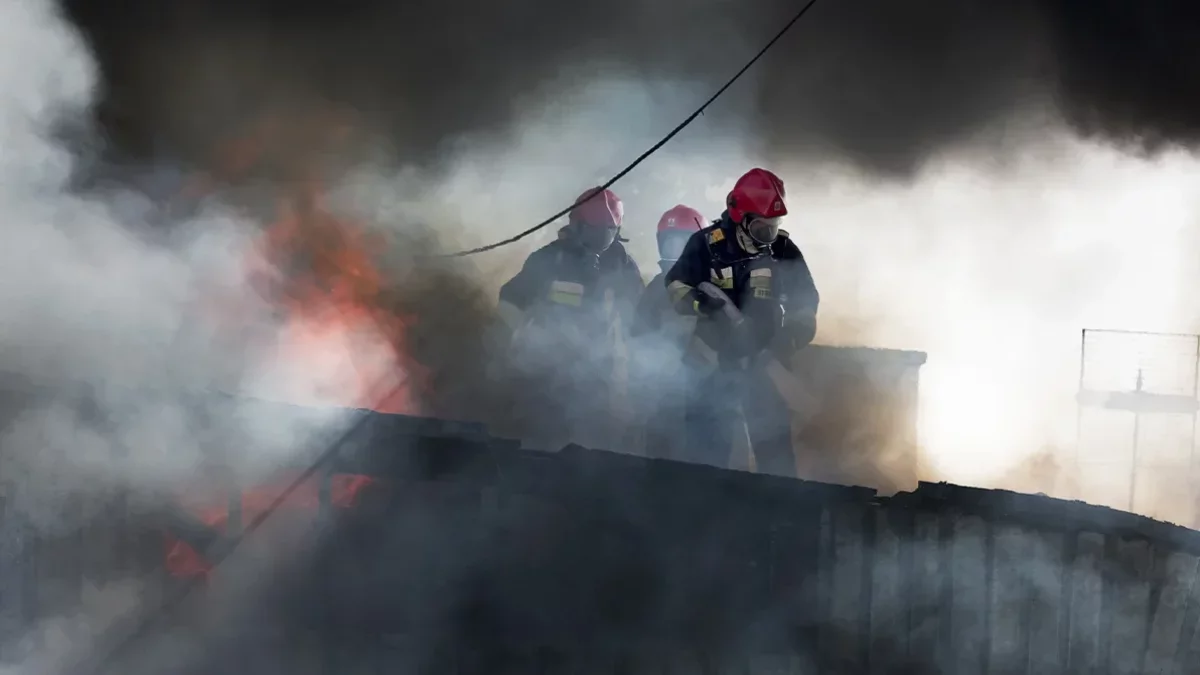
[793, 336]
[706, 305]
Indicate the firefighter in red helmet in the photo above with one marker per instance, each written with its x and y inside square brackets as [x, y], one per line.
[747, 261]
[675, 227]
[566, 311]
[659, 381]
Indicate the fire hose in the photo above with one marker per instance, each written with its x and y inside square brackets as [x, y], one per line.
[786, 383]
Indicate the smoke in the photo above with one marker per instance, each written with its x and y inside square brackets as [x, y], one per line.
[1006, 235]
[490, 186]
[883, 84]
[994, 271]
[113, 354]
[93, 294]
[889, 86]
[53, 642]
[111, 343]
[991, 265]
[959, 133]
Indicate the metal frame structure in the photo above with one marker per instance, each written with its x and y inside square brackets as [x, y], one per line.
[1137, 348]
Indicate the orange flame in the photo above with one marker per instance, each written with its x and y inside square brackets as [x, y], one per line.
[340, 342]
[211, 508]
[339, 335]
[333, 296]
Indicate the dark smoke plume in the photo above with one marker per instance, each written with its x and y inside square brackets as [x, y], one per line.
[880, 83]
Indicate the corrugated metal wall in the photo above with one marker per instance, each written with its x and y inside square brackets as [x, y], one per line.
[977, 581]
[483, 559]
[586, 561]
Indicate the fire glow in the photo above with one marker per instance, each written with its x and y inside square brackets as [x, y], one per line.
[337, 338]
[340, 341]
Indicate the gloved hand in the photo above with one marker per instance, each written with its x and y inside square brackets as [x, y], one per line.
[742, 340]
[793, 336]
[707, 305]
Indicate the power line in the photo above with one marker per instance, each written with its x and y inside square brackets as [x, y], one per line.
[654, 148]
[231, 544]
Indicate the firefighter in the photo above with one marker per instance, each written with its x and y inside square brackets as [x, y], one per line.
[762, 275]
[659, 337]
[566, 312]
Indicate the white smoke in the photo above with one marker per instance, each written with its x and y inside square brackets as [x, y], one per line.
[91, 294]
[993, 271]
[574, 133]
[991, 265]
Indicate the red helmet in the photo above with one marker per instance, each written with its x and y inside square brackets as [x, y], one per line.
[757, 193]
[600, 208]
[681, 218]
[675, 228]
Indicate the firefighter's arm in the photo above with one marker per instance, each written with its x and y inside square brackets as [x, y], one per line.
[686, 274]
[800, 301]
[520, 292]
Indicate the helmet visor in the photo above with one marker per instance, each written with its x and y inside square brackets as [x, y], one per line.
[671, 244]
[762, 230]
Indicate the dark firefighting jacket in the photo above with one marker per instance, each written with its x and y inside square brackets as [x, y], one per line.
[563, 282]
[653, 304]
[773, 288]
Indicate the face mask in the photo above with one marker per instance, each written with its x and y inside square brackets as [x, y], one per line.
[597, 239]
[763, 231]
